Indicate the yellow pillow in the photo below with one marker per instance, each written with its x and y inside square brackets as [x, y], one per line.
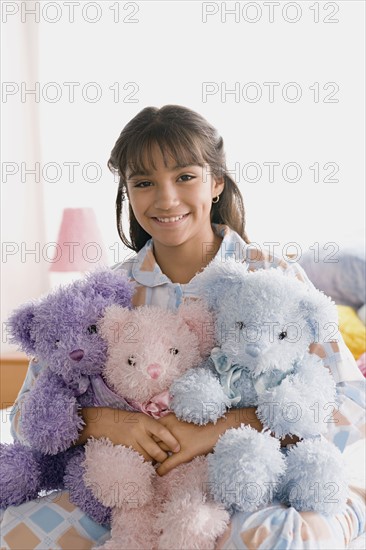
[352, 330]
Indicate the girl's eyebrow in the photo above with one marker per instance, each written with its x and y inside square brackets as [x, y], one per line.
[177, 167]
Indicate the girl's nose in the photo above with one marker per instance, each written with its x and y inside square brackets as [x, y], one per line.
[76, 355]
[166, 197]
[154, 370]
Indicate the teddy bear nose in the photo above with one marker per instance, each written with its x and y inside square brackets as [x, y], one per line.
[252, 349]
[76, 355]
[154, 370]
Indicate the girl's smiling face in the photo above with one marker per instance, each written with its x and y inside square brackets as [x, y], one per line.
[173, 203]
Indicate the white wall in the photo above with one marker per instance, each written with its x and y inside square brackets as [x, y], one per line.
[169, 52]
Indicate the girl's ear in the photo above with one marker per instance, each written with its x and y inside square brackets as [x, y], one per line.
[20, 325]
[218, 186]
[200, 321]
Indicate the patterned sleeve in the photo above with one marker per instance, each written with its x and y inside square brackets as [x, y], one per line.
[346, 421]
[33, 371]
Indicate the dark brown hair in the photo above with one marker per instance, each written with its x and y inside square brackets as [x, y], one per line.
[188, 138]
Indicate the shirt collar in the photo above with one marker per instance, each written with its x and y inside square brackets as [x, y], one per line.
[146, 271]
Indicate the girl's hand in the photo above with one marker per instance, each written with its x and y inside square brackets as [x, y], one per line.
[200, 440]
[132, 429]
[194, 440]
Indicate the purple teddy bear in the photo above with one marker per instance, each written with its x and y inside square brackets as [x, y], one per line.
[61, 331]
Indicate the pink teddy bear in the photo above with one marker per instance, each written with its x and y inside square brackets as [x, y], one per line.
[148, 349]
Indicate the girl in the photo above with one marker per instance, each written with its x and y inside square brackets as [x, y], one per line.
[184, 210]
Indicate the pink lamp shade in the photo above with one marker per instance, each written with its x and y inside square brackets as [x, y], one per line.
[79, 244]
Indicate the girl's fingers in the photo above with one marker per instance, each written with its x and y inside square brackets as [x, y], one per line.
[164, 436]
[152, 433]
[172, 462]
[148, 451]
[161, 444]
[154, 451]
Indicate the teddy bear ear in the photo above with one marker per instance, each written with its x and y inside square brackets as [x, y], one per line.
[20, 324]
[320, 314]
[114, 324]
[219, 278]
[113, 285]
[200, 321]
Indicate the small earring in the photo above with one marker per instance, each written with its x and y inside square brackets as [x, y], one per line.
[216, 199]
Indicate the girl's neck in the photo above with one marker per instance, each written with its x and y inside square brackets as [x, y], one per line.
[181, 263]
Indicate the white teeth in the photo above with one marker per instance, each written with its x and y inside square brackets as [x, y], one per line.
[164, 220]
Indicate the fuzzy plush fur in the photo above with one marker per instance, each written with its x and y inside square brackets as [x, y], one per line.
[149, 348]
[61, 330]
[265, 322]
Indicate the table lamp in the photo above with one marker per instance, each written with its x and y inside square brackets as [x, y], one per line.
[79, 246]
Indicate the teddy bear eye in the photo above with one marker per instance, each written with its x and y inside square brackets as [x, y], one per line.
[92, 329]
[132, 360]
[173, 351]
[282, 335]
[240, 324]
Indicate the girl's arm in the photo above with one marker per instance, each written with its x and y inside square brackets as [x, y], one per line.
[132, 429]
[200, 440]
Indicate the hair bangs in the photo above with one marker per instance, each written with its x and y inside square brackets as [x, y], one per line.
[176, 148]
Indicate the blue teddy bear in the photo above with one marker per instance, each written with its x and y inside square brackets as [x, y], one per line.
[265, 323]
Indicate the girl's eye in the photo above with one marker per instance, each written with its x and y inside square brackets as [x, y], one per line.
[141, 184]
[144, 184]
[282, 335]
[240, 325]
[173, 351]
[132, 360]
[186, 176]
[92, 329]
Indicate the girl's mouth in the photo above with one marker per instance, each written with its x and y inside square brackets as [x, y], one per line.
[170, 221]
